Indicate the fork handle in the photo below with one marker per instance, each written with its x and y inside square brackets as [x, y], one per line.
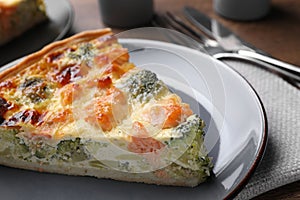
[288, 70]
[281, 68]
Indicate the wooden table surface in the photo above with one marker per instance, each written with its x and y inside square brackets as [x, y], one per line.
[277, 34]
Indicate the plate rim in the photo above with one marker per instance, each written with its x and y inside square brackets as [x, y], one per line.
[262, 149]
[70, 20]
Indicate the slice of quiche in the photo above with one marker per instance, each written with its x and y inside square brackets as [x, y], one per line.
[17, 16]
[79, 107]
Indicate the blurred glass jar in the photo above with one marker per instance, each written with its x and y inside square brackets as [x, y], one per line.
[242, 9]
[126, 13]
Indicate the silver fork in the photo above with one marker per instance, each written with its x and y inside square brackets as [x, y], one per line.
[212, 47]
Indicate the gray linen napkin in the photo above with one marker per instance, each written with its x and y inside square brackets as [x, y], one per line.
[281, 162]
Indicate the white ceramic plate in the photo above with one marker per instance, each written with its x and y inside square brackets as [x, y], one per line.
[236, 133]
[60, 15]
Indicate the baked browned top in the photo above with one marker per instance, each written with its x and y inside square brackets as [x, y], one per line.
[42, 93]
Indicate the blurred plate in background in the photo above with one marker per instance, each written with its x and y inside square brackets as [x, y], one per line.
[60, 15]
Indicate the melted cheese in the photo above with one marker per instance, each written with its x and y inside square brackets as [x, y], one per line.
[80, 91]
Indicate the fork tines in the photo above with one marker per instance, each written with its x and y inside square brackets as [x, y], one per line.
[179, 24]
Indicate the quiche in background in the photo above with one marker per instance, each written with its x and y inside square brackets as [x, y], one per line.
[17, 16]
[79, 107]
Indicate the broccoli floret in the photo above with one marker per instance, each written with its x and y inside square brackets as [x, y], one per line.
[17, 147]
[84, 53]
[67, 150]
[43, 150]
[193, 124]
[71, 150]
[145, 85]
[195, 156]
[36, 90]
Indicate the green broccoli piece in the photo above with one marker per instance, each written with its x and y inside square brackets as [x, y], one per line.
[43, 150]
[67, 150]
[145, 85]
[71, 150]
[36, 90]
[16, 147]
[84, 53]
[195, 156]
